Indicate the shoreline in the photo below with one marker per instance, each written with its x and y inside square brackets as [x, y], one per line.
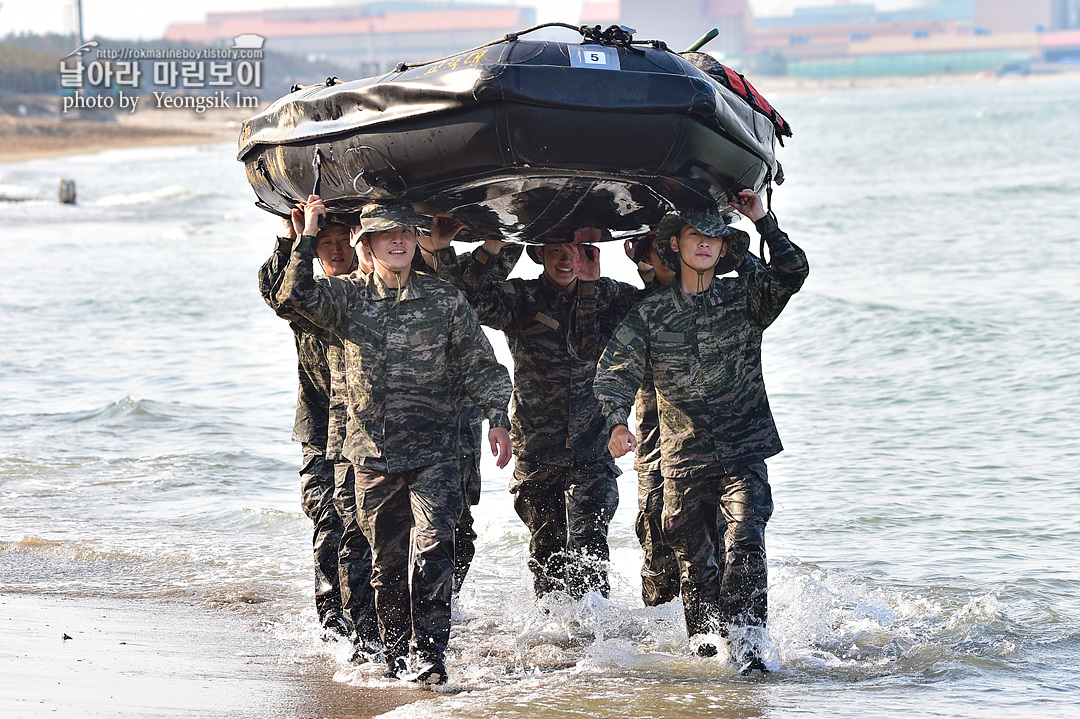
[80, 656]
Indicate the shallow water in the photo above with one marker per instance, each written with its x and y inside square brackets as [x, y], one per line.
[925, 383]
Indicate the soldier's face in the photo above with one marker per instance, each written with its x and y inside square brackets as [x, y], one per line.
[334, 251]
[698, 251]
[395, 248]
[559, 264]
[363, 253]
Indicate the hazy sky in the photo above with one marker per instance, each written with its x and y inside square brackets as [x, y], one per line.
[139, 19]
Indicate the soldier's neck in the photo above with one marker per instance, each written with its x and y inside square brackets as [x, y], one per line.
[390, 278]
[693, 283]
[568, 288]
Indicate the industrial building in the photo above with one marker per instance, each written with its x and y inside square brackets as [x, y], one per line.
[364, 38]
[858, 39]
[829, 40]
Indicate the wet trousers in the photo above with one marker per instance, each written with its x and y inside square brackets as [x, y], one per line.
[660, 569]
[317, 501]
[464, 534]
[717, 594]
[411, 514]
[567, 511]
[354, 562]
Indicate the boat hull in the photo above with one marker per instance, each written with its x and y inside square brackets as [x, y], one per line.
[516, 142]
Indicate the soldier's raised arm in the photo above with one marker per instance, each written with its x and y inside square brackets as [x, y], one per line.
[272, 274]
[482, 279]
[599, 306]
[772, 285]
[323, 302]
[273, 270]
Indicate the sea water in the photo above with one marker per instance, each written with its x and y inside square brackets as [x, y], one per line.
[925, 381]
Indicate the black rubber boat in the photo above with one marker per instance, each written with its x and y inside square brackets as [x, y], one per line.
[523, 139]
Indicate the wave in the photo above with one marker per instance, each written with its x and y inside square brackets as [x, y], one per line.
[171, 193]
[22, 193]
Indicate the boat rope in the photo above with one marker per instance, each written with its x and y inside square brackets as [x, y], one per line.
[316, 167]
[614, 35]
[768, 211]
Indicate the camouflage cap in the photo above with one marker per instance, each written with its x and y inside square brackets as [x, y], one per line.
[641, 245]
[535, 253]
[707, 222]
[386, 215]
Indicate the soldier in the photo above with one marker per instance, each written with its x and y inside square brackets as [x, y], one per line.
[702, 337]
[354, 553]
[591, 328]
[311, 426]
[402, 332]
[564, 481]
[324, 359]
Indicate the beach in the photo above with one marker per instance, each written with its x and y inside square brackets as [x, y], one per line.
[922, 550]
[46, 132]
[81, 656]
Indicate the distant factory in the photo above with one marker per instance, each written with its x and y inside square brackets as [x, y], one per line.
[365, 38]
[831, 40]
[857, 39]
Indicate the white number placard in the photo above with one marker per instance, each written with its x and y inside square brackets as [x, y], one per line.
[594, 57]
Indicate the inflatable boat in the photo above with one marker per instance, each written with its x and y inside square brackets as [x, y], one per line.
[523, 139]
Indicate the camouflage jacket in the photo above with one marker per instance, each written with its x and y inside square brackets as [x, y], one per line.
[591, 327]
[399, 353]
[647, 455]
[337, 422]
[313, 398]
[556, 419]
[705, 352]
[452, 267]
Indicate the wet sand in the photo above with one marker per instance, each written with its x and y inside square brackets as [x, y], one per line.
[139, 658]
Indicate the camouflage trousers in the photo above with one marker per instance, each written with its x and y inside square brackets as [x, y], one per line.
[317, 501]
[411, 515]
[567, 511]
[716, 592]
[464, 534]
[354, 563]
[660, 569]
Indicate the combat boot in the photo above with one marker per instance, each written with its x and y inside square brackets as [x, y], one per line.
[336, 627]
[432, 672]
[396, 667]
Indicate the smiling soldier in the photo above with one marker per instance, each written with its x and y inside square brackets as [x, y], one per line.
[402, 333]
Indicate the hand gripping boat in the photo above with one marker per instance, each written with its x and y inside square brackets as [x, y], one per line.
[526, 140]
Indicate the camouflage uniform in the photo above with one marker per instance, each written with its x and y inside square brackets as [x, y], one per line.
[470, 430]
[399, 347]
[354, 553]
[660, 570]
[470, 424]
[310, 428]
[564, 481]
[716, 428]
